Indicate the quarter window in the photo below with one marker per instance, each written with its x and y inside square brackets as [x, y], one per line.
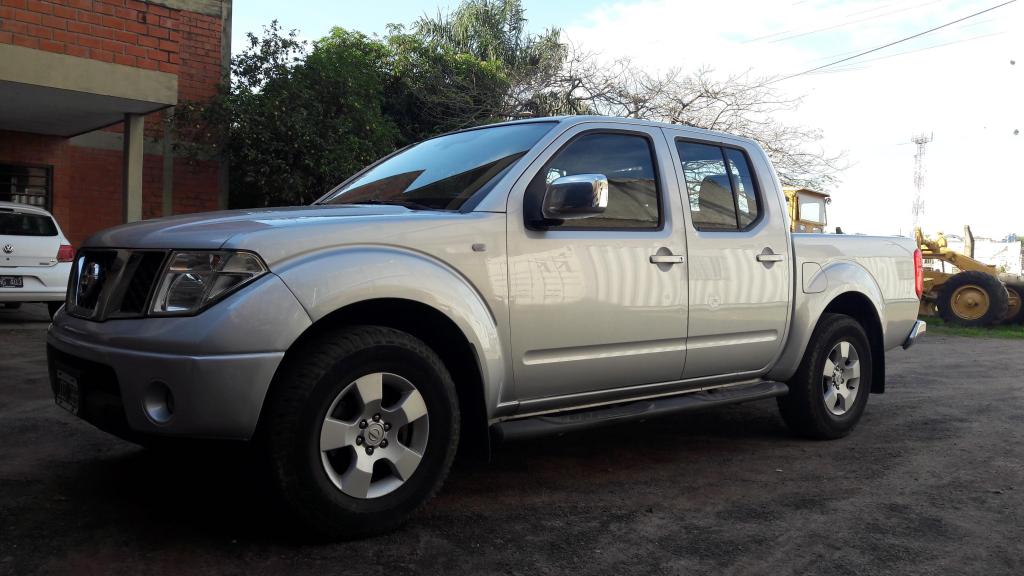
[720, 187]
[627, 161]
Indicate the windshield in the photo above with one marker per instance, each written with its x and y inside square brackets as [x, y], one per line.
[812, 209]
[21, 224]
[442, 173]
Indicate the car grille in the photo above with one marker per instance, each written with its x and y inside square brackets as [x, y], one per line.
[108, 284]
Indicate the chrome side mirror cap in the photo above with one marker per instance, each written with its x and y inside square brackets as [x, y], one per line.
[574, 197]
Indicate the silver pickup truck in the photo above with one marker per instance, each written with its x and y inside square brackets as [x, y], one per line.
[508, 281]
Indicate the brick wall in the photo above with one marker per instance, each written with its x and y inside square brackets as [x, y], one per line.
[87, 181]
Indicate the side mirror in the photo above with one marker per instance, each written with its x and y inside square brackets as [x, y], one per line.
[574, 197]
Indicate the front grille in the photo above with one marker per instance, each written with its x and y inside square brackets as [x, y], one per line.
[113, 283]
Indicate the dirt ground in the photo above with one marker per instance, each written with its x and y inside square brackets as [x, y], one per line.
[932, 482]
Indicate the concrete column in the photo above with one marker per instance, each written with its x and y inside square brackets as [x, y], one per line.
[131, 197]
[167, 149]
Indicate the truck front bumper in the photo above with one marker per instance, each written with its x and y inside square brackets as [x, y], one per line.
[188, 376]
[920, 327]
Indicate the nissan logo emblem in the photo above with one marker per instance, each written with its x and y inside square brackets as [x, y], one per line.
[8, 248]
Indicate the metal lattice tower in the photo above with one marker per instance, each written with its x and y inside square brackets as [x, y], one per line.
[918, 207]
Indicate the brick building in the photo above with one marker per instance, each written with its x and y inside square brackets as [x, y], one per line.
[86, 87]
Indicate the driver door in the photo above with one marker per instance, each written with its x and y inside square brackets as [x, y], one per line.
[589, 309]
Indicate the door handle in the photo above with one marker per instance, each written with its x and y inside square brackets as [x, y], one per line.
[667, 259]
[769, 256]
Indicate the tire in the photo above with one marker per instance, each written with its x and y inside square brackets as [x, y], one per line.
[1015, 315]
[807, 409]
[53, 307]
[336, 375]
[972, 299]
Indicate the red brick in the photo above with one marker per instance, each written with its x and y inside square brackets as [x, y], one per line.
[126, 13]
[155, 54]
[51, 46]
[174, 59]
[168, 67]
[15, 3]
[5, 37]
[103, 8]
[148, 42]
[136, 27]
[126, 37]
[79, 51]
[169, 23]
[134, 50]
[159, 10]
[63, 11]
[112, 22]
[147, 64]
[56, 23]
[14, 27]
[90, 17]
[81, 4]
[29, 17]
[78, 27]
[39, 31]
[135, 5]
[112, 46]
[37, 6]
[158, 32]
[103, 55]
[26, 42]
[101, 32]
[90, 42]
[66, 37]
[169, 46]
[123, 59]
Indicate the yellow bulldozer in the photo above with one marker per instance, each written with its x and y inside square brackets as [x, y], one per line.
[806, 209]
[970, 292]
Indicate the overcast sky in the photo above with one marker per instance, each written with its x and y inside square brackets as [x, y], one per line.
[957, 84]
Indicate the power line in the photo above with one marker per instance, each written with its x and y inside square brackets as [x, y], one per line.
[901, 40]
[860, 65]
[849, 22]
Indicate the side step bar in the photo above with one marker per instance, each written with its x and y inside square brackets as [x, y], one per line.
[547, 424]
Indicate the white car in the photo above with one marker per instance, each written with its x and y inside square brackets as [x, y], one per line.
[35, 257]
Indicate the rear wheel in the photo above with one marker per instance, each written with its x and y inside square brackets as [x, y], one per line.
[360, 431]
[973, 298]
[829, 391]
[1015, 307]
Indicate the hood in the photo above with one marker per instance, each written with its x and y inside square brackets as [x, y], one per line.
[212, 230]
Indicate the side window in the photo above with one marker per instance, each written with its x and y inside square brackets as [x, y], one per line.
[720, 187]
[628, 163]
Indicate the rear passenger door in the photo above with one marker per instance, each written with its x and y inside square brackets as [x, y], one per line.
[739, 251]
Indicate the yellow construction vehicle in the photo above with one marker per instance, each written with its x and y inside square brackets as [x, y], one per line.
[972, 293]
[806, 209]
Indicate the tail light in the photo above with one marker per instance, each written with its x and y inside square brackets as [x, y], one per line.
[66, 253]
[918, 274]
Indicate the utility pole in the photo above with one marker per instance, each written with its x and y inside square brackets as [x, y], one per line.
[918, 207]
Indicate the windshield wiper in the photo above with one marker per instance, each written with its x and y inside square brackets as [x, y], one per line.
[404, 203]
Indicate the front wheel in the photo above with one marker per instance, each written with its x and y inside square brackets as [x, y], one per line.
[361, 429]
[829, 392]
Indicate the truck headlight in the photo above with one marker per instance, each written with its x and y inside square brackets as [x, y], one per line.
[194, 280]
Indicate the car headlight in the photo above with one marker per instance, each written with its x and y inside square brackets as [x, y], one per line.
[194, 280]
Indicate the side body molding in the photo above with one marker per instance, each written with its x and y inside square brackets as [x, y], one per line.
[842, 276]
[328, 280]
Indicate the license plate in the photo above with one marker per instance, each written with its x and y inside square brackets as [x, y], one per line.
[12, 282]
[66, 391]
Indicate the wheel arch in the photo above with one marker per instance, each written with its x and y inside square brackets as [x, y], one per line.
[851, 290]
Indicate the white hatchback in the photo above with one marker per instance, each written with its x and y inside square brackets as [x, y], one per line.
[35, 257]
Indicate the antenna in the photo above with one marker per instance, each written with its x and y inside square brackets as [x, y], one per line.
[918, 207]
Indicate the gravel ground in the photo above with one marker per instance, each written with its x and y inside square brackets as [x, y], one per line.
[932, 482]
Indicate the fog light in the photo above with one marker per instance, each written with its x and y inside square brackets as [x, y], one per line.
[159, 402]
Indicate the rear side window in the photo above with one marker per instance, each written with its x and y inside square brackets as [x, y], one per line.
[627, 161]
[19, 224]
[720, 187]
